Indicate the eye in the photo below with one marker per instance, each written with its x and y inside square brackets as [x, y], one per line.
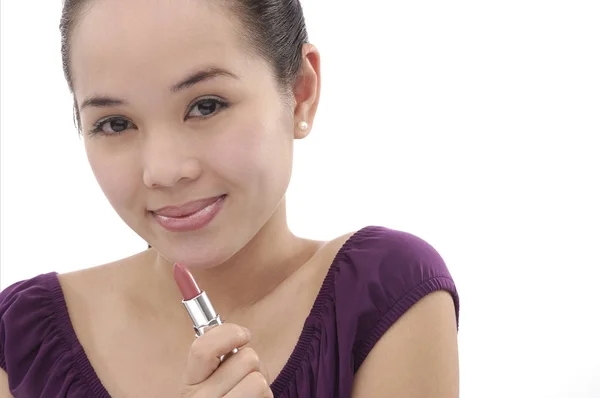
[113, 125]
[206, 107]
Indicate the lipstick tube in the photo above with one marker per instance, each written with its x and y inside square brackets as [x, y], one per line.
[204, 316]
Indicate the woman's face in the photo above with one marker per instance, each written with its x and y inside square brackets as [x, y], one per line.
[175, 109]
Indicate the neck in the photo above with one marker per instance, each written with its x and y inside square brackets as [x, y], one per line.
[249, 276]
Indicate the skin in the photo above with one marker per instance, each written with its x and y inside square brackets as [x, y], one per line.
[247, 259]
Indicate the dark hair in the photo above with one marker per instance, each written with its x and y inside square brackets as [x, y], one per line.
[275, 29]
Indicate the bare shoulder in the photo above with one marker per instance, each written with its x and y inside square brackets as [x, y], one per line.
[102, 277]
[323, 257]
[330, 248]
[100, 286]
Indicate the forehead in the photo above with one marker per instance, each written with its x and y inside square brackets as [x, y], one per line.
[155, 39]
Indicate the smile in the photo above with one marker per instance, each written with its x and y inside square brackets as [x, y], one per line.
[189, 217]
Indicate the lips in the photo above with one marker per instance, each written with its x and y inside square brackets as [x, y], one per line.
[186, 209]
[191, 216]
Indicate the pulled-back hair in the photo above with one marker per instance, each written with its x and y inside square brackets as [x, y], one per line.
[275, 29]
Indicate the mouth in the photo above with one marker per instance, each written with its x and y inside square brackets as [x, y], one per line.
[190, 216]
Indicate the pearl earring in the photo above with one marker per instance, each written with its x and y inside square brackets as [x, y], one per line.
[303, 125]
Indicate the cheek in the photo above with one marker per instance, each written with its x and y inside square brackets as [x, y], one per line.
[115, 176]
[254, 152]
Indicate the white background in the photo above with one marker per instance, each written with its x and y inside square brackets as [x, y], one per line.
[472, 124]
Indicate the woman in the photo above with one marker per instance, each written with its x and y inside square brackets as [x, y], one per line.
[189, 110]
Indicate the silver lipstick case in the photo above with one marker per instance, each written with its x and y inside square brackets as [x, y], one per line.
[204, 316]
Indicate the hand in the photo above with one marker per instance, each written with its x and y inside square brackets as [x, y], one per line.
[241, 375]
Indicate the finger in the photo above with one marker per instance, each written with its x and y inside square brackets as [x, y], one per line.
[253, 385]
[234, 370]
[205, 353]
[244, 362]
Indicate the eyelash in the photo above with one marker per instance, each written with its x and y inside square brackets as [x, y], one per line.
[220, 103]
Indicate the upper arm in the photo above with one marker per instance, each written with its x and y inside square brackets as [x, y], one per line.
[4, 391]
[417, 357]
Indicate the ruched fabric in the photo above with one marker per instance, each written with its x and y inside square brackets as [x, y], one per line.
[376, 276]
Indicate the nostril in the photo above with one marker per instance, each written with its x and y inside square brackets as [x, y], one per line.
[167, 172]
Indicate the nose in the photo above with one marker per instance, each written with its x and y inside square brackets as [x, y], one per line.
[169, 160]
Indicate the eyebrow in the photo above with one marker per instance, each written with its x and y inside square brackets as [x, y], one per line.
[201, 76]
[101, 102]
[189, 81]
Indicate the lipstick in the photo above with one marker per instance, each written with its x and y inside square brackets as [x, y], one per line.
[196, 303]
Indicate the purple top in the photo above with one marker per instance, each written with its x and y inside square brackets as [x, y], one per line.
[376, 276]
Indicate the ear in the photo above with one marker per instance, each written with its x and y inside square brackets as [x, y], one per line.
[307, 90]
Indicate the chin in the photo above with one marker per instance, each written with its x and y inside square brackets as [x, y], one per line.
[200, 250]
[194, 255]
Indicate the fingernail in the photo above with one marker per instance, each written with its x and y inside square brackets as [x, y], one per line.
[248, 333]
